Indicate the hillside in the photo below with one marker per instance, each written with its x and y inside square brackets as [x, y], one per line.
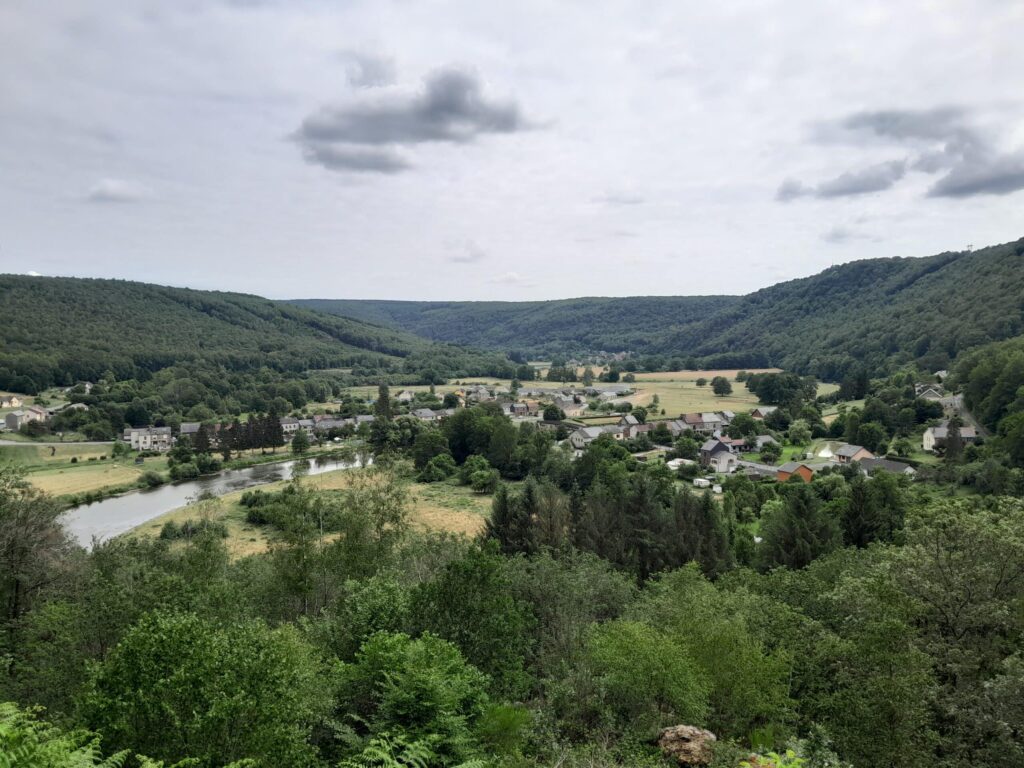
[540, 327]
[878, 312]
[61, 330]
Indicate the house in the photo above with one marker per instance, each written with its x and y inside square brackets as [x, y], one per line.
[37, 413]
[941, 375]
[628, 420]
[570, 407]
[763, 410]
[365, 418]
[847, 454]
[307, 425]
[425, 414]
[148, 438]
[934, 438]
[677, 427]
[11, 401]
[289, 425]
[736, 444]
[329, 423]
[723, 463]
[726, 417]
[790, 468]
[868, 466]
[189, 428]
[704, 423]
[712, 448]
[15, 420]
[584, 436]
[405, 397]
[519, 410]
[762, 440]
[930, 393]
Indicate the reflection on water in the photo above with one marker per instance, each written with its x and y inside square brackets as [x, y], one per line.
[113, 516]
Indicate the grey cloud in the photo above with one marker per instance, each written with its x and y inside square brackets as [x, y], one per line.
[901, 124]
[875, 178]
[840, 235]
[369, 71]
[619, 198]
[452, 108]
[1001, 175]
[943, 139]
[790, 189]
[116, 191]
[471, 255]
[358, 159]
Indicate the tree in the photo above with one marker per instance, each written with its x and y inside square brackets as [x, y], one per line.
[202, 439]
[721, 386]
[428, 444]
[797, 530]
[771, 452]
[177, 686]
[954, 447]
[553, 413]
[33, 544]
[300, 442]
[799, 433]
[649, 679]
[702, 382]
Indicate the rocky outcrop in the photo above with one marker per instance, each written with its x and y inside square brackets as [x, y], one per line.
[687, 744]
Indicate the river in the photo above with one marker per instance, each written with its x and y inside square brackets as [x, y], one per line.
[111, 517]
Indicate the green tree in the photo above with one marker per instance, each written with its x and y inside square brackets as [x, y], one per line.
[177, 686]
[300, 442]
[721, 386]
[797, 530]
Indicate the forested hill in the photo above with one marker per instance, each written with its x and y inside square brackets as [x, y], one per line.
[62, 330]
[541, 327]
[876, 312]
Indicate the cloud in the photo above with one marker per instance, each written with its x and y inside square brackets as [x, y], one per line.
[117, 191]
[1000, 175]
[471, 255]
[33, 273]
[840, 235]
[942, 140]
[367, 70]
[875, 178]
[619, 198]
[511, 278]
[451, 108]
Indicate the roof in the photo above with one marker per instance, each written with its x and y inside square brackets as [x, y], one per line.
[886, 465]
[942, 431]
[423, 413]
[766, 408]
[849, 450]
[712, 444]
[792, 466]
[190, 427]
[591, 432]
[630, 419]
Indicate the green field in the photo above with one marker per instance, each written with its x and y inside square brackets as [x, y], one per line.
[435, 506]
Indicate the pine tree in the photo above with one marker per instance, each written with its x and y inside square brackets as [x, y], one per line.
[202, 440]
[954, 441]
[509, 523]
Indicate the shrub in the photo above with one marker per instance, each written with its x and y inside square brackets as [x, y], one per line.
[151, 479]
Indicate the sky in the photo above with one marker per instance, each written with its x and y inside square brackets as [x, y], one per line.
[448, 150]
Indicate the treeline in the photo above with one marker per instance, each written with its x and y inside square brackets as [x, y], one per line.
[875, 315]
[60, 331]
[992, 379]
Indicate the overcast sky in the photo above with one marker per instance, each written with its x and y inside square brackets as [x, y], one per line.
[483, 150]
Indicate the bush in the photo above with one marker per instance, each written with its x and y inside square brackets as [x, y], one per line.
[484, 481]
[74, 459]
[186, 471]
[151, 479]
[438, 468]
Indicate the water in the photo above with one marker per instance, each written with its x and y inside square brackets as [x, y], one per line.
[111, 517]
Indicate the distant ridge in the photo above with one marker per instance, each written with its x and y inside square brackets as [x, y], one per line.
[874, 313]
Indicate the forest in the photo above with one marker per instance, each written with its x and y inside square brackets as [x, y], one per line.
[61, 331]
[849, 621]
[874, 313]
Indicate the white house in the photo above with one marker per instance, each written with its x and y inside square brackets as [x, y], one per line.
[149, 438]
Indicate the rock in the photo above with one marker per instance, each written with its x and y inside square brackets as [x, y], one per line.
[687, 744]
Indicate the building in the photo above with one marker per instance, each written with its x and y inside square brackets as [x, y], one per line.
[934, 438]
[15, 420]
[405, 396]
[581, 438]
[847, 454]
[723, 463]
[149, 438]
[11, 401]
[289, 425]
[712, 448]
[763, 410]
[425, 414]
[790, 468]
[868, 466]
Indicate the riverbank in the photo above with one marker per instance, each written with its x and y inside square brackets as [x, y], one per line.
[433, 506]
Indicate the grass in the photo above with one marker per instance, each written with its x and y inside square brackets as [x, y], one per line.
[83, 478]
[434, 506]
